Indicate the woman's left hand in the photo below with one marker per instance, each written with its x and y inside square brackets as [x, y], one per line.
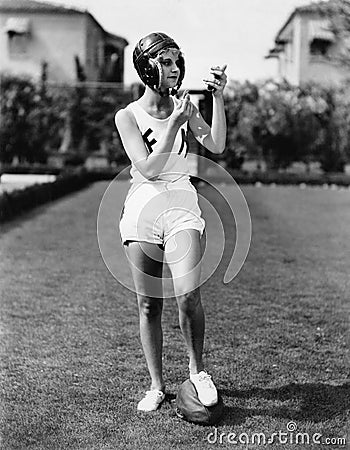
[218, 83]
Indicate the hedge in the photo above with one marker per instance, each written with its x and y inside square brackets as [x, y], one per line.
[17, 202]
[281, 178]
[41, 169]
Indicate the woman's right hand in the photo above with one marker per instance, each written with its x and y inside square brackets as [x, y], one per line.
[182, 111]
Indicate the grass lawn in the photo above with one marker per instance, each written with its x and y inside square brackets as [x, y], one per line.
[276, 340]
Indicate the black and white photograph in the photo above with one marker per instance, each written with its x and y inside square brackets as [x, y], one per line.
[174, 224]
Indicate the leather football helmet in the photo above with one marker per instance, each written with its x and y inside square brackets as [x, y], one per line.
[150, 70]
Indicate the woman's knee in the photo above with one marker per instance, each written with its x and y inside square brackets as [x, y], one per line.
[189, 301]
[149, 306]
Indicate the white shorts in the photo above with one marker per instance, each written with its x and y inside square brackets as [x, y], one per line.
[155, 211]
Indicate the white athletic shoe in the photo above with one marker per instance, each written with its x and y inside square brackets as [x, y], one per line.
[151, 401]
[206, 390]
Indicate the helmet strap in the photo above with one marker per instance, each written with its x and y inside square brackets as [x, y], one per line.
[160, 71]
[164, 93]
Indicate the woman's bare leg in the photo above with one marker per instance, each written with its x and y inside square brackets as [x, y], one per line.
[146, 262]
[183, 255]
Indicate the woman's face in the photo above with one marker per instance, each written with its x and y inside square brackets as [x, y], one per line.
[168, 60]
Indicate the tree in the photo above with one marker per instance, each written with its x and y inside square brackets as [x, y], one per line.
[282, 124]
[240, 108]
[20, 104]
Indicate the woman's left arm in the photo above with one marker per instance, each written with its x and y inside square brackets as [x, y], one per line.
[213, 138]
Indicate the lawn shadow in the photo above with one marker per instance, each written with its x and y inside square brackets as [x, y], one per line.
[25, 216]
[314, 402]
[20, 218]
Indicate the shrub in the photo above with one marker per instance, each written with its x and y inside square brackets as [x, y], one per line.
[19, 201]
[38, 120]
[281, 124]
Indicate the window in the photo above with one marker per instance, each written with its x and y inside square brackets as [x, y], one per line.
[17, 30]
[18, 45]
[113, 64]
[319, 47]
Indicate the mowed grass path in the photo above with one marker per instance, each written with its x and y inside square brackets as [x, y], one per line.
[276, 340]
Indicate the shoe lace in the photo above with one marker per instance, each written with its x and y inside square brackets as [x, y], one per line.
[206, 378]
[153, 394]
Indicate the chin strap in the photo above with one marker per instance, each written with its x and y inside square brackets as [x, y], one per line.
[160, 71]
[166, 92]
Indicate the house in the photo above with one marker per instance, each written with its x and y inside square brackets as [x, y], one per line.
[307, 48]
[64, 44]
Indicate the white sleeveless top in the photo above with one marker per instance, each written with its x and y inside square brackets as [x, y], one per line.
[152, 130]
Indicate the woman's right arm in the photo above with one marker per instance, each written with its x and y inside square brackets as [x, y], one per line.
[150, 165]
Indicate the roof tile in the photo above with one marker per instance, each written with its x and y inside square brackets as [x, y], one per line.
[32, 5]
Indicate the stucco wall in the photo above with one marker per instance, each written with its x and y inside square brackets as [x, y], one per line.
[288, 65]
[54, 38]
[94, 49]
[323, 69]
[302, 66]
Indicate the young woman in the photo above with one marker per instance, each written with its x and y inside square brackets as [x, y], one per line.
[161, 218]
